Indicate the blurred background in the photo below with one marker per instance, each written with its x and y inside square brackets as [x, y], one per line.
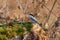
[46, 12]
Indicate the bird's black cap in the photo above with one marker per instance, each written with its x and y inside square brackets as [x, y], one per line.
[31, 14]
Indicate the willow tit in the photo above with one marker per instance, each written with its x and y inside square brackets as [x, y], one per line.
[34, 20]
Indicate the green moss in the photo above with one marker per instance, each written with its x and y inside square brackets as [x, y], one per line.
[7, 31]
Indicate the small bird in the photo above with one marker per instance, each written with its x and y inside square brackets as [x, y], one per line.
[34, 20]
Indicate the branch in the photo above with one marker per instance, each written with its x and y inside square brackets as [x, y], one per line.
[50, 11]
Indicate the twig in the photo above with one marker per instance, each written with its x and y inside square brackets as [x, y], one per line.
[46, 8]
[7, 9]
[24, 10]
[50, 11]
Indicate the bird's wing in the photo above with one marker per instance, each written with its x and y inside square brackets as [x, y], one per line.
[34, 20]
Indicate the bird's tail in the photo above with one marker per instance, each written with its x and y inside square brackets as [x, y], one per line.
[41, 26]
